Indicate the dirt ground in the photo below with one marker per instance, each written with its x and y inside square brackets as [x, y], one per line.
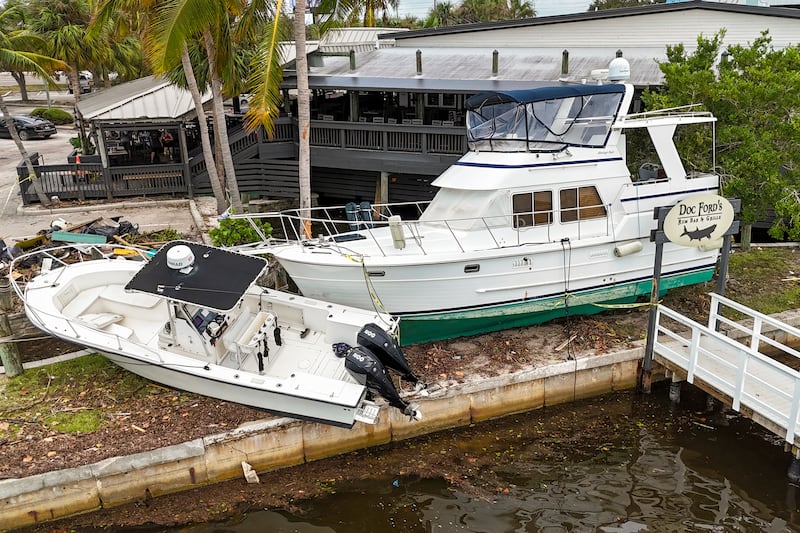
[165, 416]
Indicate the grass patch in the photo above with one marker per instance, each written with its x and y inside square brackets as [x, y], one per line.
[66, 397]
[763, 279]
[75, 422]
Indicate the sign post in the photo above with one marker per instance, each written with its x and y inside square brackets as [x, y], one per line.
[702, 220]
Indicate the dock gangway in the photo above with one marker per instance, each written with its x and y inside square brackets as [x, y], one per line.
[731, 365]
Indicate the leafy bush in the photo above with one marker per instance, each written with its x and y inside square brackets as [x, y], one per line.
[54, 115]
[235, 231]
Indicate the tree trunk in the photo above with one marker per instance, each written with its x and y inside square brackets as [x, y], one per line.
[205, 139]
[74, 80]
[37, 185]
[746, 234]
[222, 128]
[19, 77]
[303, 116]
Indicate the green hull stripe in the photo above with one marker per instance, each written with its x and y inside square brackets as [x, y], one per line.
[415, 329]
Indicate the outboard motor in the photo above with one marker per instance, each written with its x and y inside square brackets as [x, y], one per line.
[385, 347]
[362, 361]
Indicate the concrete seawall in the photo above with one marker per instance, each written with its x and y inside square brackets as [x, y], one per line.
[278, 443]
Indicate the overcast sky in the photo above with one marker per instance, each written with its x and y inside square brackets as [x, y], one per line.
[544, 8]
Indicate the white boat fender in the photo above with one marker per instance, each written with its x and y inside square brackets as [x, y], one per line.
[396, 229]
[628, 248]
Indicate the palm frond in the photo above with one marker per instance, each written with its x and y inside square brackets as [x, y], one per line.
[265, 79]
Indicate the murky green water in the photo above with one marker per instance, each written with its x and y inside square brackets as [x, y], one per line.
[620, 463]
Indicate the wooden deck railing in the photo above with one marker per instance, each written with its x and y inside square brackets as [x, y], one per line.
[85, 181]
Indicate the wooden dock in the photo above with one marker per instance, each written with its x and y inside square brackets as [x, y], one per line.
[735, 367]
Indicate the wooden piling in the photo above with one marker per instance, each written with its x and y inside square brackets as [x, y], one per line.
[9, 353]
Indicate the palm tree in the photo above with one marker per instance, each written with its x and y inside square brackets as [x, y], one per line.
[63, 26]
[12, 23]
[303, 114]
[520, 9]
[134, 18]
[351, 10]
[441, 15]
[14, 54]
[180, 22]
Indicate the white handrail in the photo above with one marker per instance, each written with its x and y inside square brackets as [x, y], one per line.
[751, 379]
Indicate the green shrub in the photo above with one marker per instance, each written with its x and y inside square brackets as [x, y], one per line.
[53, 114]
[235, 231]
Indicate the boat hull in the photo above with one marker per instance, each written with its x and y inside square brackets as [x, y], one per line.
[275, 403]
[441, 299]
[428, 327]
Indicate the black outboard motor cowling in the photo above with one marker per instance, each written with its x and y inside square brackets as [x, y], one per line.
[385, 347]
[362, 361]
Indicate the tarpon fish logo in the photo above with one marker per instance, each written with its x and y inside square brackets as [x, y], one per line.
[699, 234]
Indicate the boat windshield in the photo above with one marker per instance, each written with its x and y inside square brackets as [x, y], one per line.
[507, 123]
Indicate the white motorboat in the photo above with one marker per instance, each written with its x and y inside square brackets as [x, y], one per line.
[193, 318]
[543, 217]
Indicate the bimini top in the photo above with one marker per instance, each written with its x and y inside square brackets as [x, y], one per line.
[209, 277]
[527, 96]
[548, 119]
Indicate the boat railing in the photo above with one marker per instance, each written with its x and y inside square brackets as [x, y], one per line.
[678, 111]
[335, 228]
[51, 260]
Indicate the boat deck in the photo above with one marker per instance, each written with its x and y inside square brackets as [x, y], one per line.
[301, 352]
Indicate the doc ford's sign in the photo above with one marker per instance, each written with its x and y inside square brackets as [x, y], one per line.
[698, 220]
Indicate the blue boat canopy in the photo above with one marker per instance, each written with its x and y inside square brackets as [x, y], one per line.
[526, 96]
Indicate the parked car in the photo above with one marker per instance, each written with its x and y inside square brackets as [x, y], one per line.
[84, 82]
[28, 127]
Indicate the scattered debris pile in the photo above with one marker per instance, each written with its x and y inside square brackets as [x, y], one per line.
[99, 230]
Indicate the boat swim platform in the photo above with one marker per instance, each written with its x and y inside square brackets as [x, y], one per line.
[276, 443]
[748, 364]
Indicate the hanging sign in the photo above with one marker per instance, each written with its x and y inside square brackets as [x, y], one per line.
[699, 220]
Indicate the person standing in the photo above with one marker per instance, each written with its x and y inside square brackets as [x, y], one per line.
[167, 141]
[155, 146]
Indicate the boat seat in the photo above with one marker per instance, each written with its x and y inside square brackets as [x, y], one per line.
[116, 293]
[120, 331]
[260, 328]
[75, 303]
[100, 320]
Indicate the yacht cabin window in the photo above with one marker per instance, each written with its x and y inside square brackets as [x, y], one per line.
[533, 209]
[580, 203]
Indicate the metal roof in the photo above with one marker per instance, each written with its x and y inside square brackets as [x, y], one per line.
[358, 39]
[470, 70]
[784, 12]
[149, 97]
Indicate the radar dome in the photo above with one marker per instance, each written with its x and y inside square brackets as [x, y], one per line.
[180, 258]
[619, 69]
